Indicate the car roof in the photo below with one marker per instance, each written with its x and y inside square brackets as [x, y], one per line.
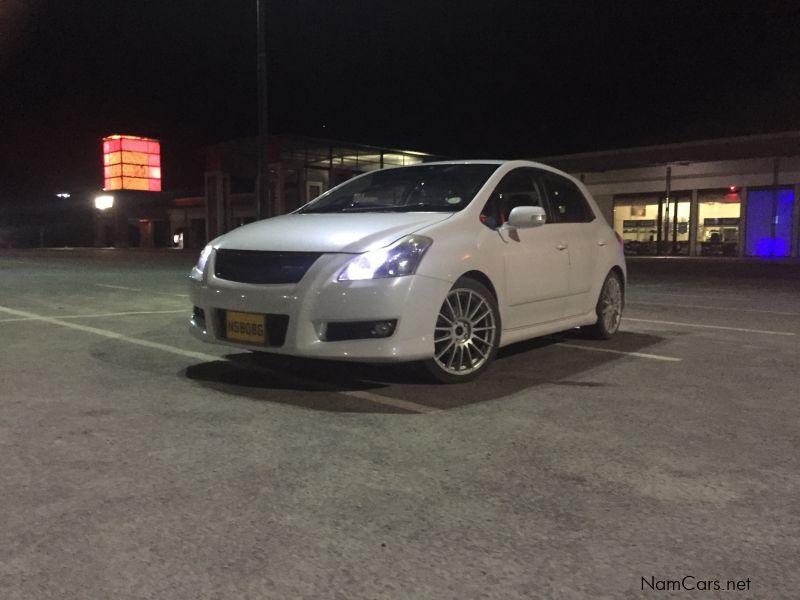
[515, 162]
[511, 162]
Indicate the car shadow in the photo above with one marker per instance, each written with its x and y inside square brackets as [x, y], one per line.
[339, 386]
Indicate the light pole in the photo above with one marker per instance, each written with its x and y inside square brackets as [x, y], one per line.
[263, 208]
[104, 205]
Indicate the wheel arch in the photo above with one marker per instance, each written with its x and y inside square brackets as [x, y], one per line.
[618, 270]
[482, 278]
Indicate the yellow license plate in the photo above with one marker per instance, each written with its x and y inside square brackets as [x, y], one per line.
[246, 327]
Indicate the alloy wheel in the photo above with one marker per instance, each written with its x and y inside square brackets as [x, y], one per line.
[611, 305]
[466, 329]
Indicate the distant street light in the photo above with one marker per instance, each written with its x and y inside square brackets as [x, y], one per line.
[63, 195]
[103, 202]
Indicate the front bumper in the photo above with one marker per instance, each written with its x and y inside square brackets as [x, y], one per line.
[319, 299]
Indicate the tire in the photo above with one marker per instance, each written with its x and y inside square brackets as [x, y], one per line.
[609, 308]
[466, 333]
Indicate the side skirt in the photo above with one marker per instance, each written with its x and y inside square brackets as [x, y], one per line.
[511, 336]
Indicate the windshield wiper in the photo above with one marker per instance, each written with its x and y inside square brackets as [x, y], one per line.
[354, 208]
[425, 207]
[383, 208]
[370, 208]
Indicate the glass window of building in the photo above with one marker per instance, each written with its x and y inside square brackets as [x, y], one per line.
[769, 222]
[675, 232]
[718, 222]
[636, 220]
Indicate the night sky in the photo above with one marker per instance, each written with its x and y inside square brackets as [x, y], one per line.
[464, 79]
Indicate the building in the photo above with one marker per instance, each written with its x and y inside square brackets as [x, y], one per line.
[132, 210]
[734, 197]
[725, 197]
[301, 168]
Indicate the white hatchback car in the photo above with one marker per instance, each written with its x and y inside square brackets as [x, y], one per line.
[441, 262]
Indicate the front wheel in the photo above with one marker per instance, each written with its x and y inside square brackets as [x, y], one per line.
[466, 333]
[609, 308]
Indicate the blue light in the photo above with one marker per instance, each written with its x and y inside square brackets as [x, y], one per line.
[760, 221]
[783, 223]
[771, 247]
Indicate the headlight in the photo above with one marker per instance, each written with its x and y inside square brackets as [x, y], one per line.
[201, 262]
[401, 258]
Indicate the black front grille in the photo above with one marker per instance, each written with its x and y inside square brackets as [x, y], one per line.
[254, 266]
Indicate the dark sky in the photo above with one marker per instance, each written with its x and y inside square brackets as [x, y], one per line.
[461, 78]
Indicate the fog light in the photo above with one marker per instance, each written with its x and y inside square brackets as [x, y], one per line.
[338, 331]
[382, 329]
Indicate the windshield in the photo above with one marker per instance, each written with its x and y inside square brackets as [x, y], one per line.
[426, 188]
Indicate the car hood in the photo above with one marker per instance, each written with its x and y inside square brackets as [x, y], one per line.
[341, 232]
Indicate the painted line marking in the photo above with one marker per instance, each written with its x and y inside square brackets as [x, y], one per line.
[709, 296]
[703, 326]
[376, 398]
[668, 288]
[395, 402]
[610, 351]
[111, 335]
[14, 261]
[728, 308]
[132, 289]
[97, 316]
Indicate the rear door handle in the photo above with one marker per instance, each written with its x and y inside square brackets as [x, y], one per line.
[602, 243]
[561, 246]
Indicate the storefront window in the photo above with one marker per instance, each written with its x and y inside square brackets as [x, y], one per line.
[718, 223]
[676, 224]
[636, 220]
[769, 222]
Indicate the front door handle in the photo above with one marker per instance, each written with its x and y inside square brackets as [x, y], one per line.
[602, 243]
[561, 246]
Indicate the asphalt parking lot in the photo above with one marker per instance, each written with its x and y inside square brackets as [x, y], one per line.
[141, 463]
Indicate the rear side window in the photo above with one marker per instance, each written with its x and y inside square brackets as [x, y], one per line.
[567, 202]
[520, 187]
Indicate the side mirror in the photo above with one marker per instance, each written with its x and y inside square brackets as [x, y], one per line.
[527, 216]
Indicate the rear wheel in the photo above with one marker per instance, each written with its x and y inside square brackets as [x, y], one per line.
[609, 308]
[466, 333]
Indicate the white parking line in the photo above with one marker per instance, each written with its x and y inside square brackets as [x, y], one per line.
[667, 288]
[705, 307]
[395, 402]
[132, 289]
[376, 398]
[678, 294]
[110, 334]
[704, 326]
[610, 351]
[100, 315]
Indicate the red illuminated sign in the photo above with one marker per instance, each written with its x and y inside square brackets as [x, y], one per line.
[131, 163]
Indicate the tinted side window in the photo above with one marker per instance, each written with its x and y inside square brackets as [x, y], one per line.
[566, 200]
[520, 187]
